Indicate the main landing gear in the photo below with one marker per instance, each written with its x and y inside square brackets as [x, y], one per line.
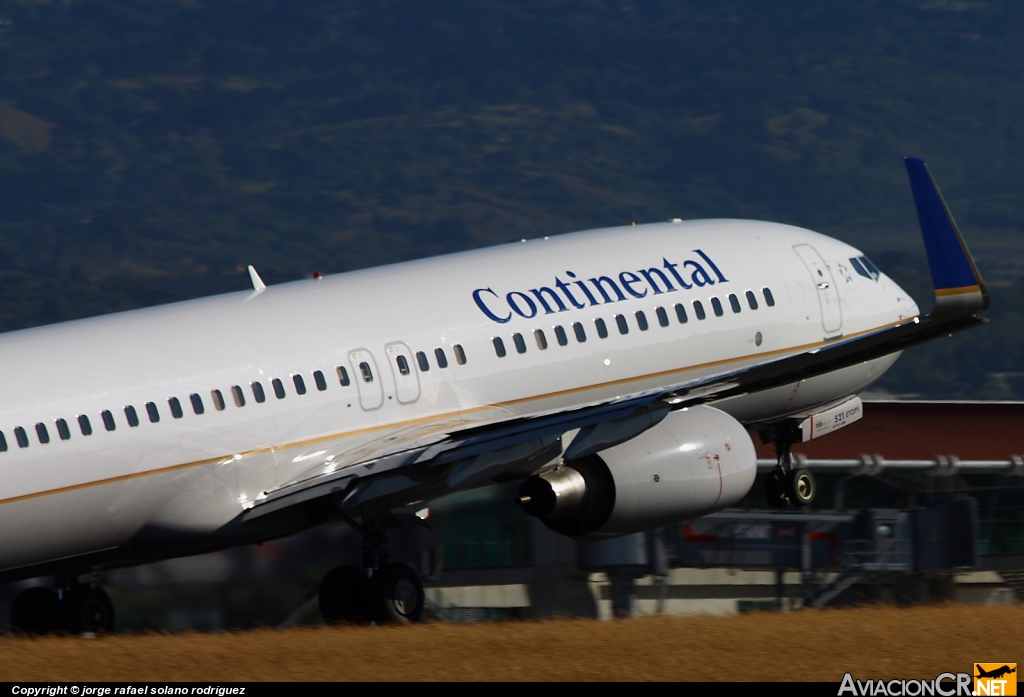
[382, 592]
[74, 608]
[788, 484]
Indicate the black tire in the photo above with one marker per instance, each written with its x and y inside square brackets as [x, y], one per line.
[775, 489]
[398, 595]
[87, 610]
[801, 487]
[35, 611]
[345, 597]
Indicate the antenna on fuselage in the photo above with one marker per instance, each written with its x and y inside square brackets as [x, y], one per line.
[258, 286]
[257, 282]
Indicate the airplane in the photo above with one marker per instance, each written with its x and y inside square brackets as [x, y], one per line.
[615, 373]
[995, 672]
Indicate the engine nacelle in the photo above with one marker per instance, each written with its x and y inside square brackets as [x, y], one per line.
[694, 462]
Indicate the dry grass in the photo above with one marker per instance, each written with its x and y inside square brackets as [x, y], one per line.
[875, 642]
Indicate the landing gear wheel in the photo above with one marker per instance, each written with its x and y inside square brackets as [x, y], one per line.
[775, 489]
[800, 487]
[345, 596]
[87, 610]
[35, 611]
[398, 594]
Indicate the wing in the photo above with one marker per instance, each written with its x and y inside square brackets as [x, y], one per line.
[514, 448]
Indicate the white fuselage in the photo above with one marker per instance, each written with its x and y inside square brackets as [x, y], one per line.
[191, 475]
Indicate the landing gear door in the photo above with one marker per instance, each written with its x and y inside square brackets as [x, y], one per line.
[367, 378]
[407, 380]
[828, 292]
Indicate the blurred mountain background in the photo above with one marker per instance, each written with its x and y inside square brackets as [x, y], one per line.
[149, 149]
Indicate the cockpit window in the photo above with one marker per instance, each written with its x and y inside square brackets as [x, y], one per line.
[865, 268]
[875, 273]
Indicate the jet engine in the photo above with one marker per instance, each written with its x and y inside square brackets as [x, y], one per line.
[694, 462]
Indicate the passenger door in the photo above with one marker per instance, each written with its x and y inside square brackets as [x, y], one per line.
[828, 293]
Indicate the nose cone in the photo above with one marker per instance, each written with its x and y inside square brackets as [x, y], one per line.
[903, 304]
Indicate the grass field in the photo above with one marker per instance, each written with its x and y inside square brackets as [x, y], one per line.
[870, 642]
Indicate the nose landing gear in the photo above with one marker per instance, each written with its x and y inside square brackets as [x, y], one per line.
[801, 487]
[788, 484]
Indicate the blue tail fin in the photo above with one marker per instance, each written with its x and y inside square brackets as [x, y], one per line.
[958, 285]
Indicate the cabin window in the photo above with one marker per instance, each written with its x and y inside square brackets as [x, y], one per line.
[681, 313]
[542, 341]
[734, 302]
[698, 309]
[581, 335]
[641, 320]
[238, 396]
[257, 392]
[154, 414]
[279, 387]
[403, 364]
[3, 442]
[460, 354]
[218, 399]
[300, 384]
[621, 322]
[320, 380]
[42, 433]
[499, 346]
[62, 429]
[662, 316]
[21, 437]
[716, 305]
[175, 406]
[108, 420]
[343, 376]
[364, 368]
[84, 425]
[560, 335]
[442, 360]
[520, 343]
[602, 328]
[421, 358]
[751, 300]
[131, 416]
[769, 299]
[197, 403]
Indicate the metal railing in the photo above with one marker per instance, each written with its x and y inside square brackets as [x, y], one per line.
[878, 555]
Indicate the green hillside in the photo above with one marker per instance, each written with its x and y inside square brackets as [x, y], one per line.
[150, 150]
